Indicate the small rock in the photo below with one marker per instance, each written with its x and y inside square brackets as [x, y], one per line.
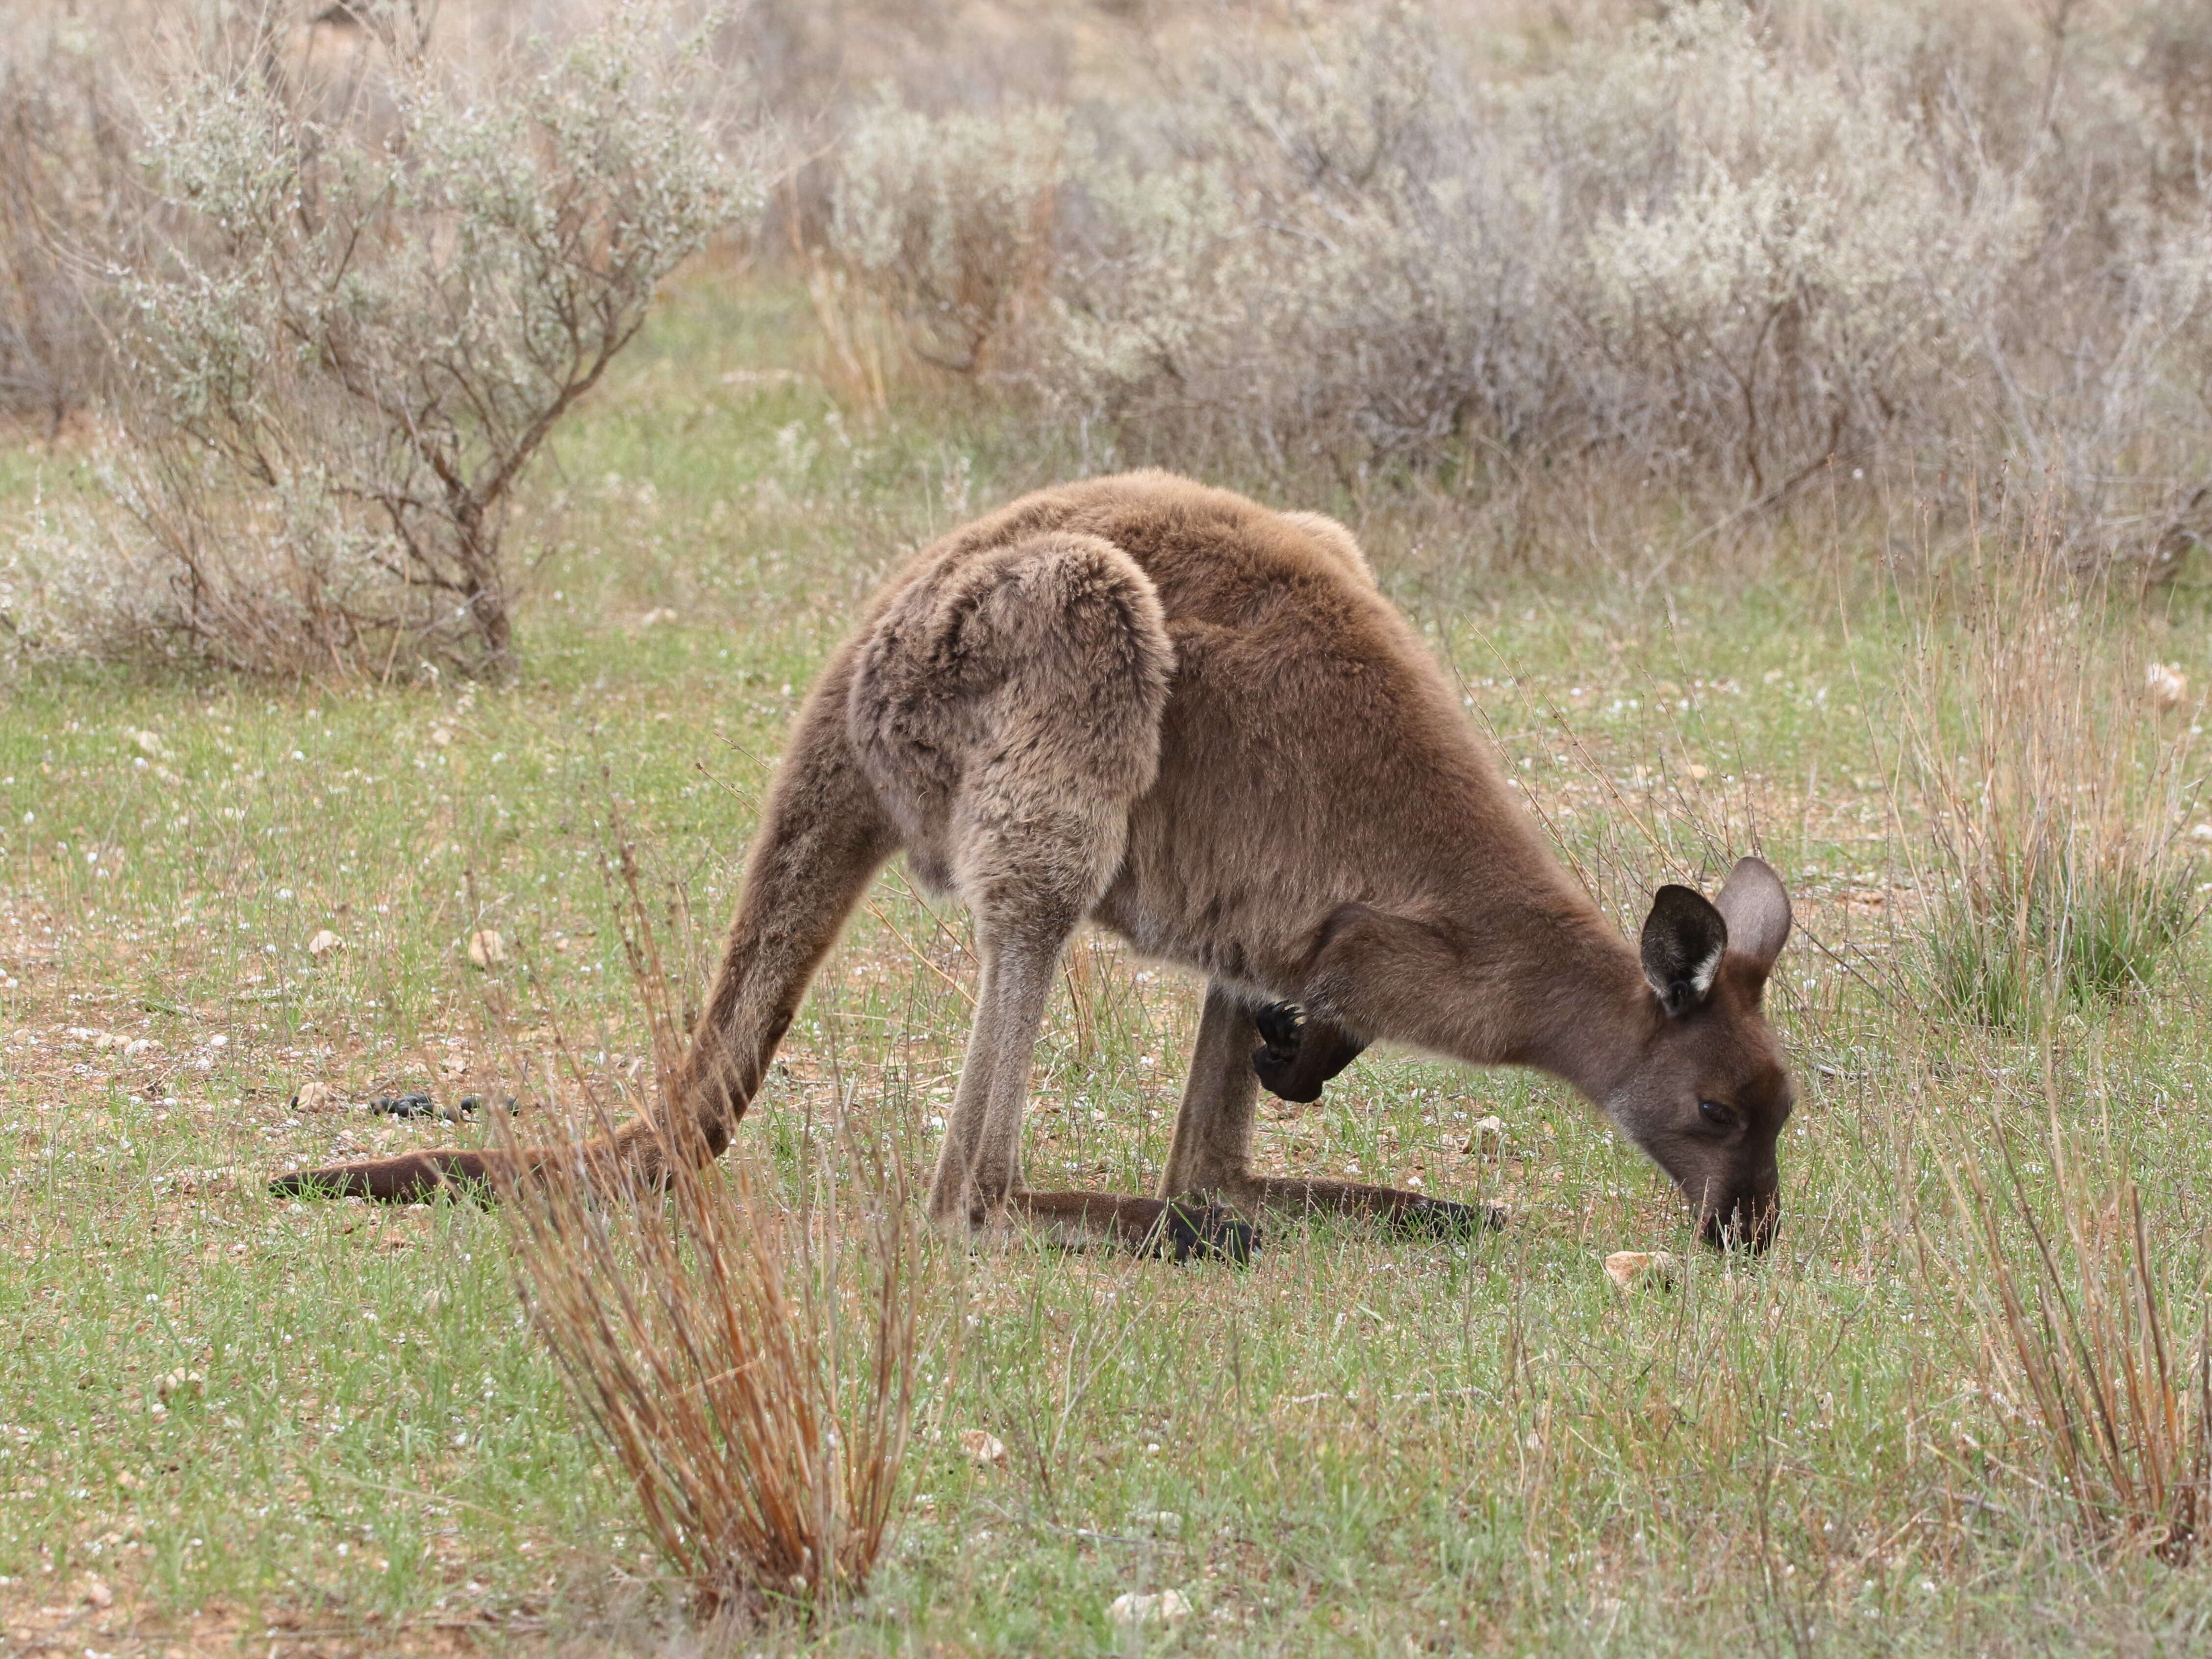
[983, 1447]
[188, 1182]
[98, 1595]
[1130, 1611]
[486, 948]
[1631, 1269]
[1165, 1522]
[179, 1387]
[138, 1045]
[440, 735]
[150, 743]
[324, 943]
[1488, 1135]
[2200, 832]
[2164, 685]
[317, 1097]
[1699, 774]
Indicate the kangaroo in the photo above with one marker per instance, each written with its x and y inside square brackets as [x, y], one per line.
[1198, 722]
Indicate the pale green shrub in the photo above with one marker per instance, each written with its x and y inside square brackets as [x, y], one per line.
[1300, 277]
[364, 330]
[1777, 276]
[65, 185]
[952, 219]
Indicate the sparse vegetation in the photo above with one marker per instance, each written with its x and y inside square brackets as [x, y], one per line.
[2089, 1373]
[2054, 776]
[1437, 276]
[1739, 250]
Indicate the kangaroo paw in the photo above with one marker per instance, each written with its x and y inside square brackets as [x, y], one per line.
[1192, 1232]
[1298, 1056]
[1276, 1061]
[1279, 1023]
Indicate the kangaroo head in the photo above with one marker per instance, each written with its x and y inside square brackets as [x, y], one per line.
[1711, 1092]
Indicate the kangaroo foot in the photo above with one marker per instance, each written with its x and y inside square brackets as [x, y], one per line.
[1201, 1232]
[1437, 1218]
[1399, 1211]
[1181, 1230]
[1298, 1056]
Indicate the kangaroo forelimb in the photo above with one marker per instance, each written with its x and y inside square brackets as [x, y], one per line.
[1299, 1055]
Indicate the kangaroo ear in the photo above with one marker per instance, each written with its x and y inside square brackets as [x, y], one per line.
[1683, 939]
[1756, 906]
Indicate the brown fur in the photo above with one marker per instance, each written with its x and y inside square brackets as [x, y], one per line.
[1197, 722]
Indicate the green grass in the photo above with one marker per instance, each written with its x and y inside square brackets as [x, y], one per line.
[1373, 1445]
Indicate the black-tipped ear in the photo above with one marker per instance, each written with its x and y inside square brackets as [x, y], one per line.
[1756, 908]
[1684, 940]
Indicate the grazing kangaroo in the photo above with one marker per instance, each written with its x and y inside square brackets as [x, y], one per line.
[1198, 722]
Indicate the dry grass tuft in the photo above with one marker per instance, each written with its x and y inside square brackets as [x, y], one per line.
[748, 1358]
[2080, 1332]
[2052, 793]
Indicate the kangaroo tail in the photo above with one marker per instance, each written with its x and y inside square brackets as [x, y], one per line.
[822, 838]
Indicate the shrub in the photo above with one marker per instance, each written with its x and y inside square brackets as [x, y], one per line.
[952, 220]
[1720, 245]
[1318, 257]
[66, 186]
[1777, 269]
[366, 324]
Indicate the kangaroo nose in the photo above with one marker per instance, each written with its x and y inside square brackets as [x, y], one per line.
[1746, 1223]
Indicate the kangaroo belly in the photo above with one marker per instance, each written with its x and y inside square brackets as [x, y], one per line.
[1174, 934]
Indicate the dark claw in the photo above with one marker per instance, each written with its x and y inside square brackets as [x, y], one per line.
[1279, 1023]
[1192, 1232]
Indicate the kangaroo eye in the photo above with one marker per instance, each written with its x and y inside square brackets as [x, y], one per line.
[1716, 1114]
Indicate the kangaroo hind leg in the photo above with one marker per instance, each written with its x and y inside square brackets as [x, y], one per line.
[1008, 707]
